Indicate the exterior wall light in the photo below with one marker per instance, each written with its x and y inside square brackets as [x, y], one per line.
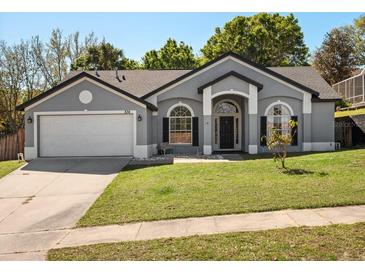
[139, 118]
[30, 120]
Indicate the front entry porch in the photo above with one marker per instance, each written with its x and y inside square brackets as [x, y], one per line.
[230, 119]
[228, 127]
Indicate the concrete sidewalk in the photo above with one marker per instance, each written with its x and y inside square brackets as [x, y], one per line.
[213, 225]
[34, 245]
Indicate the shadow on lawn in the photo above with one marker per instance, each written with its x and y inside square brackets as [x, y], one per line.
[268, 155]
[300, 171]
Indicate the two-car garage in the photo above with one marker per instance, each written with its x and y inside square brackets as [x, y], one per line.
[85, 135]
[85, 116]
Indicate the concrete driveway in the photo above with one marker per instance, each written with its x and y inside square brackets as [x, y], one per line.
[47, 196]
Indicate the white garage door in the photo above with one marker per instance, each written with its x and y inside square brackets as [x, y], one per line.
[86, 135]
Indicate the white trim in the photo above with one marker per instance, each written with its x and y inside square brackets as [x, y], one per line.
[180, 104]
[54, 94]
[252, 149]
[207, 149]
[191, 121]
[189, 77]
[323, 146]
[221, 61]
[207, 101]
[278, 102]
[152, 100]
[141, 151]
[252, 100]
[227, 100]
[29, 153]
[307, 146]
[234, 92]
[235, 116]
[154, 113]
[307, 103]
[352, 77]
[78, 82]
[85, 97]
[153, 149]
[191, 131]
[131, 112]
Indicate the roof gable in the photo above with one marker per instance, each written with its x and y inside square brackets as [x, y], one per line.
[228, 74]
[76, 78]
[238, 58]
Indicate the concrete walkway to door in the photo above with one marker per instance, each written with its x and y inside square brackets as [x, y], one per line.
[43, 199]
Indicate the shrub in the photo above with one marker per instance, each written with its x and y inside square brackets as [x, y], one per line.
[279, 142]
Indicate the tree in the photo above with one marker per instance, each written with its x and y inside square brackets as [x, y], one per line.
[32, 81]
[268, 39]
[52, 57]
[359, 29]
[278, 143]
[11, 79]
[30, 67]
[171, 56]
[103, 56]
[57, 52]
[336, 58]
[128, 63]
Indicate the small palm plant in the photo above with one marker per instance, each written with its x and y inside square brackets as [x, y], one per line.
[278, 142]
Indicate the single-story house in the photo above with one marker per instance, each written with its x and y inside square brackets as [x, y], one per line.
[224, 105]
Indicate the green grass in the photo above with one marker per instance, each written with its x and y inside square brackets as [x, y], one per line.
[335, 242]
[8, 166]
[345, 113]
[186, 190]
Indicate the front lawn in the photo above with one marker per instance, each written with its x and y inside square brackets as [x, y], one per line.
[335, 242]
[186, 190]
[8, 166]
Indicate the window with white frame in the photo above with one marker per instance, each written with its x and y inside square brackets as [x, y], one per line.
[226, 107]
[278, 118]
[180, 125]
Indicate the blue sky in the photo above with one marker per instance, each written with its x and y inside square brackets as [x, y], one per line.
[137, 33]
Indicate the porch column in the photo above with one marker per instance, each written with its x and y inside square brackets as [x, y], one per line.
[252, 120]
[307, 122]
[207, 120]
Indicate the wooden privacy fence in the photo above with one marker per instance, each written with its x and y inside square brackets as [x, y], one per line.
[11, 144]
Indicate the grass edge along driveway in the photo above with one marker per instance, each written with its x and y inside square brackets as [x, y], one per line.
[194, 190]
[334, 242]
[7, 167]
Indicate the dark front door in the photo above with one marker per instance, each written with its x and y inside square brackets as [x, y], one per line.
[226, 132]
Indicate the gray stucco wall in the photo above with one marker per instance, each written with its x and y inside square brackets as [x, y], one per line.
[68, 100]
[271, 87]
[323, 122]
[150, 127]
[149, 130]
[272, 91]
[230, 83]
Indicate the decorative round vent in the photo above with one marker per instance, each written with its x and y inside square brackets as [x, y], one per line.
[85, 97]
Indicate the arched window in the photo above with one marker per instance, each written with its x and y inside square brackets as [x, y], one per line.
[278, 117]
[180, 125]
[226, 107]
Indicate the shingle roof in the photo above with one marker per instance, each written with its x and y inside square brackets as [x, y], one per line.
[142, 82]
[76, 77]
[138, 82]
[309, 77]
